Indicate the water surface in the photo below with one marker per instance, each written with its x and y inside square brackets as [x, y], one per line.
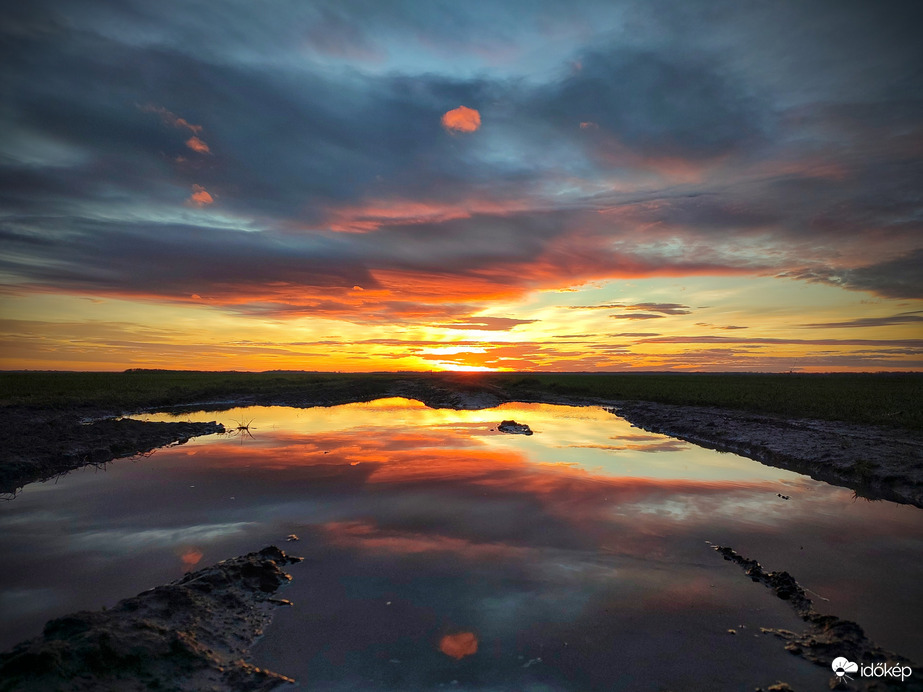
[441, 552]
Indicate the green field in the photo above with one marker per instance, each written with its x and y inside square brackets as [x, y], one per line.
[892, 399]
[882, 399]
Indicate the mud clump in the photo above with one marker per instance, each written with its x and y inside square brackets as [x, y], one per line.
[826, 637]
[191, 634]
[36, 448]
[513, 428]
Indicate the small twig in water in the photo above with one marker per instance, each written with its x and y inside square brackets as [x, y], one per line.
[242, 428]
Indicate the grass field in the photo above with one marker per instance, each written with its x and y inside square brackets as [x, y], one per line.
[894, 400]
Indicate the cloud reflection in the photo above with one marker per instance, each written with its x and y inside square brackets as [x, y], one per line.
[459, 645]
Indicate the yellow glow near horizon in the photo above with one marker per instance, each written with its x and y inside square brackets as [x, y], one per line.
[455, 367]
[727, 323]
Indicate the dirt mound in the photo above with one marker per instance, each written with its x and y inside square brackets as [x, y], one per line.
[191, 634]
[36, 447]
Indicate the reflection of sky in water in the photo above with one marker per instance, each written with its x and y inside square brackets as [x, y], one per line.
[439, 549]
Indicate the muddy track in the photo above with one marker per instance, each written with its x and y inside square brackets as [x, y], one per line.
[877, 463]
[38, 445]
[191, 634]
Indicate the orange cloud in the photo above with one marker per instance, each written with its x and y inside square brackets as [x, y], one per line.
[609, 151]
[378, 213]
[171, 118]
[200, 196]
[459, 645]
[461, 119]
[194, 142]
[198, 145]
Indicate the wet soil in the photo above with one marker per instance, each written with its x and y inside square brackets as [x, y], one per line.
[876, 463]
[191, 634]
[38, 445]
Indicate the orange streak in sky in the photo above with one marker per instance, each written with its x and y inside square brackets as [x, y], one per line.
[198, 145]
[374, 214]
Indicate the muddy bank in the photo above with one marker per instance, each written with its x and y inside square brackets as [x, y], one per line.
[38, 443]
[826, 637]
[191, 634]
[877, 463]
[435, 393]
[35, 446]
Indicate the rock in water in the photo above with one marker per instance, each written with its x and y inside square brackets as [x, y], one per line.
[514, 428]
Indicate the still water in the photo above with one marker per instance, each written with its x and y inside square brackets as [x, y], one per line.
[443, 554]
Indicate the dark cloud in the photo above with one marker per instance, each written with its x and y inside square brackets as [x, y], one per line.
[896, 278]
[665, 308]
[658, 103]
[903, 318]
[715, 326]
[174, 260]
[722, 143]
[494, 324]
[910, 343]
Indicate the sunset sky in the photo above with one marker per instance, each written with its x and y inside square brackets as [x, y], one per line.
[505, 185]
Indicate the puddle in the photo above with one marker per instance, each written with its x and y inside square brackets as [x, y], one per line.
[441, 552]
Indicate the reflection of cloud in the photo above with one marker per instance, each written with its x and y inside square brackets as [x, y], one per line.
[115, 540]
[665, 446]
[461, 119]
[365, 536]
[191, 557]
[459, 645]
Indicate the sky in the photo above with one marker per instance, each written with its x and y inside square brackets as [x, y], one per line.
[358, 185]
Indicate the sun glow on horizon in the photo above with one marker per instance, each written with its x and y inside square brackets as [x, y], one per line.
[445, 366]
